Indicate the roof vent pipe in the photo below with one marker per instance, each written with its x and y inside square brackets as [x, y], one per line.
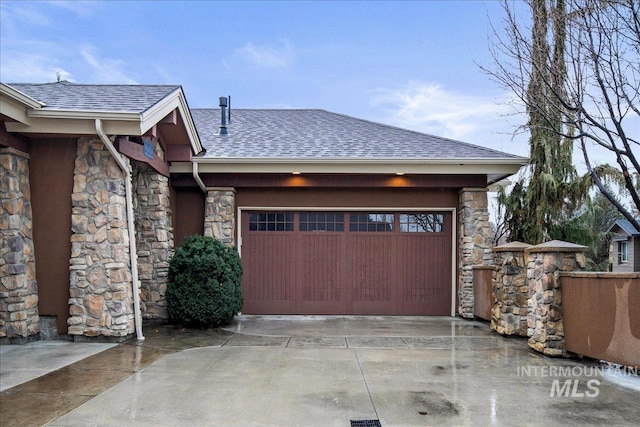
[229, 110]
[223, 116]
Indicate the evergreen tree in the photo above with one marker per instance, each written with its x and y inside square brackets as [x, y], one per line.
[574, 65]
[541, 204]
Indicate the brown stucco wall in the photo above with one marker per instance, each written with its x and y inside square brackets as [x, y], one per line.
[348, 197]
[602, 315]
[187, 204]
[51, 177]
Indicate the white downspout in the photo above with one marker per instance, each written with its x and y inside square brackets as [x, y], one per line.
[196, 176]
[137, 316]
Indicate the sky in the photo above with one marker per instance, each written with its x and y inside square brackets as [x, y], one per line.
[412, 64]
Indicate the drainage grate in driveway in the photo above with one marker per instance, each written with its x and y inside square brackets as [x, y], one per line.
[365, 423]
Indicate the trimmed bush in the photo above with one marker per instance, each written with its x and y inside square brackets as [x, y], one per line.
[204, 286]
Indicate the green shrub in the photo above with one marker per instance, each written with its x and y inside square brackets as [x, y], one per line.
[204, 285]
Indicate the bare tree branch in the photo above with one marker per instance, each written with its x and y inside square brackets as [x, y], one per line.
[598, 100]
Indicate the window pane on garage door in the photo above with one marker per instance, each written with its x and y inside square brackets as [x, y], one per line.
[321, 221]
[372, 222]
[271, 221]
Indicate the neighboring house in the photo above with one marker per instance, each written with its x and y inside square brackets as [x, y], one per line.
[331, 214]
[624, 251]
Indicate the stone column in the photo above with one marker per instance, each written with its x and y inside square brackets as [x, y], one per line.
[474, 239]
[510, 290]
[219, 220]
[101, 300]
[545, 263]
[154, 238]
[19, 320]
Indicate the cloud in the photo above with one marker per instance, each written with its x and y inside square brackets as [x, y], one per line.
[267, 55]
[429, 107]
[15, 14]
[163, 73]
[38, 62]
[32, 67]
[105, 70]
[82, 9]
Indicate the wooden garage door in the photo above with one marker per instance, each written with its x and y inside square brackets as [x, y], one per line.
[392, 263]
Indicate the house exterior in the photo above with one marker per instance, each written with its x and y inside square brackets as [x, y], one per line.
[624, 251]
[331, 214]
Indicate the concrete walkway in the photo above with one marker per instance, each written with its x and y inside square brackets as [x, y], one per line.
[323, 371]
[22, 363]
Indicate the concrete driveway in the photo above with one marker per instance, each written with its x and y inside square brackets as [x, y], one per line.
[325, 371]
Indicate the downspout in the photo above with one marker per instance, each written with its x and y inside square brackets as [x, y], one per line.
[137, 316]
[196, 176]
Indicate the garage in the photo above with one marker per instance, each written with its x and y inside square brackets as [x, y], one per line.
[338, 215]
[347, 262]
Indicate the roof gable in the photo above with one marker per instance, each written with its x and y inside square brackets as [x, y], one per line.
[80, 97]
[625, 227]
[74, 109]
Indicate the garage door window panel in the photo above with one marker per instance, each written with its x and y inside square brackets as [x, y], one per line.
[321, 221]
[372, 222]
[422, 223]
[271, 221]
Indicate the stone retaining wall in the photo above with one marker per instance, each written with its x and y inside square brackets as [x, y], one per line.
[510, 290]
[19, 318]
[100, 275]
[545, 321]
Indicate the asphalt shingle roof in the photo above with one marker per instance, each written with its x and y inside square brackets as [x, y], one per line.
[266, 134]
[323, 134]
[79, 97]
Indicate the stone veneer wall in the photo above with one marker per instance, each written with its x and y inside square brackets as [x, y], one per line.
[545, 322]
[154, 238]
[219, 219]
[101, 301]
[474, 238]
[19, 318]
[510, 290]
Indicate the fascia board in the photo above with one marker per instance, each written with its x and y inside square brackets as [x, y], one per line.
[159, 111]
[15, 94]
[189, 125]
[74, 127]
[86, 114]
[342, 165]
[14, 110]
[395, 160]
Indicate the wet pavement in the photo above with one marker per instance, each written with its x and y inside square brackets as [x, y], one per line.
[22, 363]
[323, 371]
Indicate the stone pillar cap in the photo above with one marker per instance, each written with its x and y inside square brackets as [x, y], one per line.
[557, 246]
[511, 247]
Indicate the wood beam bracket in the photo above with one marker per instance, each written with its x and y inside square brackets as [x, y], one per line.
[137, 152]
